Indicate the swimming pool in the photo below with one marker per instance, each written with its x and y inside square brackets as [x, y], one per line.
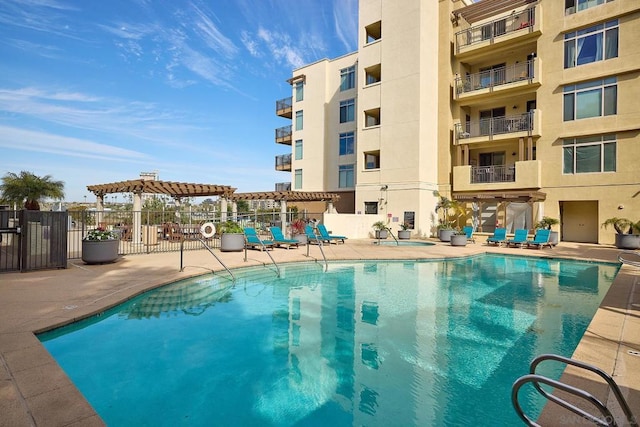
[402, 243]
[434, 343]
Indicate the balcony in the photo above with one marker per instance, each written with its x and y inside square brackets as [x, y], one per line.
[283, 186]
[517, 25]
[521, 175]
[501, 79]
[498, 128]
[283, 135]
[284, 107]
[283, 162]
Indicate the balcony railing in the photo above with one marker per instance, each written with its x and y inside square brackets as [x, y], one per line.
[495, 126]
[283, 135]
[284, 107]
[520, 21]
[495, 77]
[487, 174]
[283, 162]
[283, 186]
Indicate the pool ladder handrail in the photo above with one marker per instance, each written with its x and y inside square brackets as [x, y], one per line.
[628, 261]
[264, 249]
[536, 379]
[318, 240]
[392, 235]
[207, 247]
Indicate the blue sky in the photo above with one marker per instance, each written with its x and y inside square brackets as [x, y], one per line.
[93, 91]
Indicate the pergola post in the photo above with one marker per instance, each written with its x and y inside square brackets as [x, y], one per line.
[234, 210]
[223, 209]
[136, 227]
[99, 208]
[283, 215]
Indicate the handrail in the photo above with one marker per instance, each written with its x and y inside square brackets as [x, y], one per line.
[628, 261]
[320, 245]
[394, 237]
[264, 248]
[535, 379]
[206, 246]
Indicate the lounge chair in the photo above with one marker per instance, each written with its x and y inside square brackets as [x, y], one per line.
[519, 238]
[541, 239]
[252, 240]
[312, 237]
[468, 230]
[499, 237]
[280, 241]
[324, 235]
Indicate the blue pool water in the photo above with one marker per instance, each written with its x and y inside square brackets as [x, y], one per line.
[435, 343]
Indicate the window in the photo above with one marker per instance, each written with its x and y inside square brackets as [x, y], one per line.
[297, 184]
[299, 88]
[347, 110]
[591, 99]
[347, 143]
[348, 78]
[372, 160]
[372, 74]
[570, 5]
[373, 31]
[589, 154]
[370, 208]
[298, 148]
[591, 44]
[372, 117]
[299, 120]
[346, 176]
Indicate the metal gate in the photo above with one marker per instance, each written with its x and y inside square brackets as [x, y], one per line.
[33, 240]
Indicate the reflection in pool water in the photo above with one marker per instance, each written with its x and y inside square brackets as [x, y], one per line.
[387, 343]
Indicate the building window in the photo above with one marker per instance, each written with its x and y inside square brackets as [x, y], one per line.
[299, 120]
[589, 154]
[299, 88]
[370, 208]
[591, 44]
[298, 148]
[373, 74]
[570, 5]
[372, 117]
[373, 31]
[347, 110]
[346, 176]
[347, 143]
[348, 78]
[591, 99]
[297, 183]
[372, 160]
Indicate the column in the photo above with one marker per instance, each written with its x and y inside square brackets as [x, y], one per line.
[136, 226]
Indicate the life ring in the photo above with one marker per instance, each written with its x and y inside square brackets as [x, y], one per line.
[207, 230]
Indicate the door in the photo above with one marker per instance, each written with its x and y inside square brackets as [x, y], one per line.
[489, 120]
[579, 221]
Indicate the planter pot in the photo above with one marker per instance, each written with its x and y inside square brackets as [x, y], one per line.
[553, 238]
[458, 240]
[628, 241]
[301, 238]
[445, 235]
[404, 234]
[99, 251]
[232, 242]
[382, 234]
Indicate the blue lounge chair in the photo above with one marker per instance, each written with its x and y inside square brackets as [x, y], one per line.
[468, 230]
[519, 239]
[325, 236]
[541, 239]
[499, 237]
[311, 235]
[252, 240]
[279, 240]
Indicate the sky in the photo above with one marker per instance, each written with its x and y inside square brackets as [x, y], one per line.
[93, 92]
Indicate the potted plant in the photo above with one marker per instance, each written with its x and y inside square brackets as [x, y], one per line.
[100, 246]
[449, 210]
[381, 230]
[297, 231]
[458, 238]
[625, 237]
[548, 222]
[404, 232]
[231, 236]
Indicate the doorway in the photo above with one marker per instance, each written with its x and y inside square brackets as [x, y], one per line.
[579, 221]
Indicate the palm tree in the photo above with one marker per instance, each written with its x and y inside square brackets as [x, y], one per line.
[30, 189]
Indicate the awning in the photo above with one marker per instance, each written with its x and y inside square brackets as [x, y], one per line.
[290, 196]
[487, 8]
[173, 189]
[521, 196]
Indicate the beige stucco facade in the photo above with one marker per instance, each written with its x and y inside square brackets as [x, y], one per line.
[473, 100]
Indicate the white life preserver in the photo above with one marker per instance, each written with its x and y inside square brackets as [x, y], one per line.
[207, 230]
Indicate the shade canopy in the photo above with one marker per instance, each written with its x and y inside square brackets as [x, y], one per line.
[501, 196]
[488, 8]
[290, 196]
[173, 189]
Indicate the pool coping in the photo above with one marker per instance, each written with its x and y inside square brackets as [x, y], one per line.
[35, 391]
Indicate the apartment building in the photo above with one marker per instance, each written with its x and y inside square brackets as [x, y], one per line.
[517, 108]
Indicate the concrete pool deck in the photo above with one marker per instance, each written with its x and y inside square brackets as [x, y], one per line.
[34, 391]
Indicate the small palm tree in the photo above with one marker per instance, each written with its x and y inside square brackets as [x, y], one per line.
[30, 189]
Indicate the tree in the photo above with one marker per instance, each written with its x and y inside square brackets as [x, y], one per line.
[30, 189]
